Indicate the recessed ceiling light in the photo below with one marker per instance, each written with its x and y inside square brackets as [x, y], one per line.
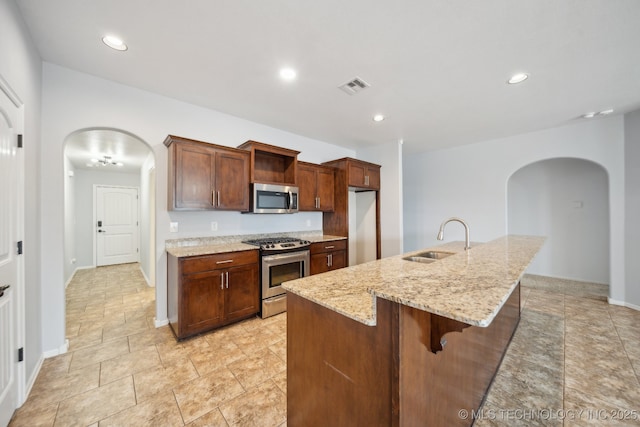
[114, 43]
[288, 73]
[378, 118]
[589, 115]
[518, 78]
[605, 112]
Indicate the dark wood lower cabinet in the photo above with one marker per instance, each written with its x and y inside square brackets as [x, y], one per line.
[205, 292]
[327, 256]
[342, 373]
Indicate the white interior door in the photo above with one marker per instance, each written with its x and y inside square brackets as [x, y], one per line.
[10, 264]
[117, 240]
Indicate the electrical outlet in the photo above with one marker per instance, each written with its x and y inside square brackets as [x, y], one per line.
[308, 223]
[173, 227]
[73, 260]
[214, 226]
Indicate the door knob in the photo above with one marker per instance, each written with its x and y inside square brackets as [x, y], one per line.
[3, 288]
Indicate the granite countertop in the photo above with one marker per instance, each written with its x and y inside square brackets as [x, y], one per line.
[469, 286]
[196, 246]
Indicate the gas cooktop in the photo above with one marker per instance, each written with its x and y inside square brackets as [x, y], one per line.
[278, 243]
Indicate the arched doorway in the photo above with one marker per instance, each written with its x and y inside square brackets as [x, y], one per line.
[567, 200]
[98, 158]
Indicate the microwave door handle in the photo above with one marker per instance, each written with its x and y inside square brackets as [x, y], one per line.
[289, 202]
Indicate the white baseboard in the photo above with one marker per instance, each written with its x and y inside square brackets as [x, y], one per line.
[58, 351]
[32, 378]
[623, 304]
[146, 279]
[160, 323]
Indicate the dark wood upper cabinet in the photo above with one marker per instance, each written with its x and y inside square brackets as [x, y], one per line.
[363, 175]
[352, 175]
[271, 164]
[315, 183]
[205, 176]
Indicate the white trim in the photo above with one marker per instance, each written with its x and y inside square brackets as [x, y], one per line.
[623, 304]
[32, 379]
[160, 323]
[74, 274]
[146, 279]
[13, 97]
[58, 351]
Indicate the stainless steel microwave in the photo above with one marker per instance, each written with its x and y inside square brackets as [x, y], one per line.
[270, 198]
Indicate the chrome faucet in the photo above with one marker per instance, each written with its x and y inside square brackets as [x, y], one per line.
[467, 244]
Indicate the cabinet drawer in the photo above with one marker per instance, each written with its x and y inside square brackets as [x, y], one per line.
[217, 261]
[333, 245]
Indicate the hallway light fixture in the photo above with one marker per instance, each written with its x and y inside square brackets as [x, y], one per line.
[106, 161]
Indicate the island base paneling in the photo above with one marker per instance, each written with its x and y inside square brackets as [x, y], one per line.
[413, 368]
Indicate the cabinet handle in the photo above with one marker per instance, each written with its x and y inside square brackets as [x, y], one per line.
[329, 247]
[318, 203]
[227, 274]
[221, 280]
[330, 260]
[213, 198]
[366, 180]
[226, 261]
[218, 199]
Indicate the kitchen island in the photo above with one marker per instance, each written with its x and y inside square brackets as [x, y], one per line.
[403, 343]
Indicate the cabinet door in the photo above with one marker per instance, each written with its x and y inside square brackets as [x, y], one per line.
[242, 293]
[319, 263]
[194, 177]
[357, 173]
[202, 302]
[325, 180]
[374, 178]
[338, 260]
[307, 187]
[231, 181]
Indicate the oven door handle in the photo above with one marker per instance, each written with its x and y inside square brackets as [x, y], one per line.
[293, 256]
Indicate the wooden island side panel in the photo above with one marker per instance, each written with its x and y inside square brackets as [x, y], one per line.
[341, 372]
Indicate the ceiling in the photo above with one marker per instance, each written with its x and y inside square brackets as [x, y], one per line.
[83, 147]
[437, 68]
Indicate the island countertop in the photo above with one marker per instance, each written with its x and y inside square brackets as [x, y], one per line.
[469, 286]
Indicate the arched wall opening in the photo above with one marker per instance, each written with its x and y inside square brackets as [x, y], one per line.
[80, 177]
[567, 200]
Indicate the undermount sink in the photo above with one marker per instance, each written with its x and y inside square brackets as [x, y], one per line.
[428, 257]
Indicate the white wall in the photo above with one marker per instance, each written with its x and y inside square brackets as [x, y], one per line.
[20, 67]
[70, 252]
[471, 182]
[85, 228]
[566, 200]
[632, 207]
[73, 101]
[147, 218]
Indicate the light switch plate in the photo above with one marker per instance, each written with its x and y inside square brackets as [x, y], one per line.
[214, 226]
[173, 227]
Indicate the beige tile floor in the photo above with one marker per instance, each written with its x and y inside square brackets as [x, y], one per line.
[574, 360]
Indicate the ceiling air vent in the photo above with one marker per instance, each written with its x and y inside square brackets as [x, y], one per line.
[354, 86]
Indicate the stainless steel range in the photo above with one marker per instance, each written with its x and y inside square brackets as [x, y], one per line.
[282, 259]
